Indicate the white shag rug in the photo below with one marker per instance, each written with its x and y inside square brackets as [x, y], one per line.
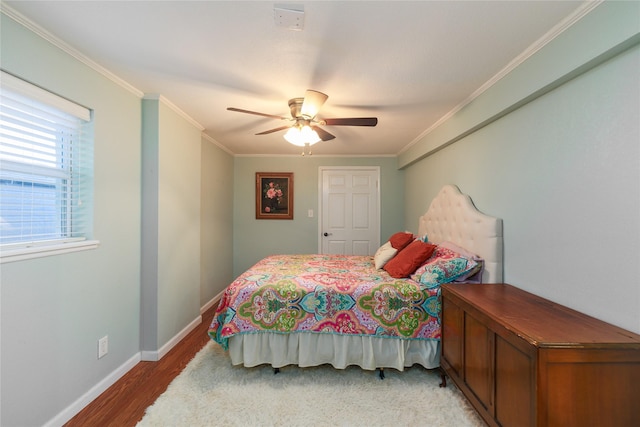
[212, 392]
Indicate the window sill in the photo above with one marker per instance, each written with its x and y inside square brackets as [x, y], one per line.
[25, 253]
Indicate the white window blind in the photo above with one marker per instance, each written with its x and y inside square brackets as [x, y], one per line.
[46, 167]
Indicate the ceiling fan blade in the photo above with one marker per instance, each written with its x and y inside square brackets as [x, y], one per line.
[273, 130]
[313, 100]
[355, 121]
[239, 110]
[323, 134]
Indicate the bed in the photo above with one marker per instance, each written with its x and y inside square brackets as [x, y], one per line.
[314, 309]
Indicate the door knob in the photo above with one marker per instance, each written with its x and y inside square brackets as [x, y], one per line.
[326, 234]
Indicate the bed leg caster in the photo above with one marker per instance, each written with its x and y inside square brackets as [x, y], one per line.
[443, 377]
[276, 371]
[381, 373]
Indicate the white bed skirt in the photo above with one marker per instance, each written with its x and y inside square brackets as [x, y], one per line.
[340, 351]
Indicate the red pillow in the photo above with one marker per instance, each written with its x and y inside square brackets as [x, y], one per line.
[409, 259]
[400, 240]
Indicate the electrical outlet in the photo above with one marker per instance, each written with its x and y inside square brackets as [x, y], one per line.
[103, 346]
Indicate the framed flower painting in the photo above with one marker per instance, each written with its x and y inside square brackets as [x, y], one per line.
[274, 195]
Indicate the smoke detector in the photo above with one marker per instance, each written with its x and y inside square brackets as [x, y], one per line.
[289, 16]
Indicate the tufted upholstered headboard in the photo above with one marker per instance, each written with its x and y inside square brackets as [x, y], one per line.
[453, 217]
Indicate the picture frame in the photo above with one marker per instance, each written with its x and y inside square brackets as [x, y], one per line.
[274, 195]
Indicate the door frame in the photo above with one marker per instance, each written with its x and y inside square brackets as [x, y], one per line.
[321, 169]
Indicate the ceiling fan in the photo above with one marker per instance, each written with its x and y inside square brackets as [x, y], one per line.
[305, 128]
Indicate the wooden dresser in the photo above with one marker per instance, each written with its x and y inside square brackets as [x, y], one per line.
[522, 360]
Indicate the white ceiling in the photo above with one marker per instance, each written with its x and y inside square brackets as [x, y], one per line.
[408, 63]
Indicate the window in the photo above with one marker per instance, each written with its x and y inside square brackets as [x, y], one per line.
[46, 172]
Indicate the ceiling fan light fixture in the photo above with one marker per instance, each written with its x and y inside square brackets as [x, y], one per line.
[301, 135]
[305, 130]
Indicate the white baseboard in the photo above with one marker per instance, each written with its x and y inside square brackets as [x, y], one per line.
[154, 356]
[77, 406]
[95, 391]
[211, 303]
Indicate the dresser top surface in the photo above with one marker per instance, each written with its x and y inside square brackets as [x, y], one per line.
[541, 322]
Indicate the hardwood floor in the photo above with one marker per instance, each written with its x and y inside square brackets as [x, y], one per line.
[123, 404]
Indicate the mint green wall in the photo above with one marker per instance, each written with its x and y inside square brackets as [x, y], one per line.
[179, 224]
[54, 309]
[216, 229]
[171, 224]
[149, 233]
[257, 238]
[562, 169]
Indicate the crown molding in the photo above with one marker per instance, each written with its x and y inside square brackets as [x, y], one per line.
[548, 37]
[354, 156]
[174, 107]
[217, 144]
[37, 29]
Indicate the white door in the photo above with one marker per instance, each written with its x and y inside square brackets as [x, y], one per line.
[349, 210]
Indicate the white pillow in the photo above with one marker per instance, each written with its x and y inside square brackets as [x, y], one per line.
[383, 255]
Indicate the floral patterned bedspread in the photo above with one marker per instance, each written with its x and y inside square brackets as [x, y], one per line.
[333, 294]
